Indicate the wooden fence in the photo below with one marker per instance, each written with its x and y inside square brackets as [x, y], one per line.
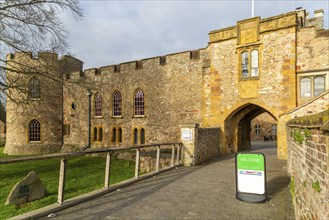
[175, 161]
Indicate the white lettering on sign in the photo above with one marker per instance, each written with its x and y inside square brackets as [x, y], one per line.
[187, 135]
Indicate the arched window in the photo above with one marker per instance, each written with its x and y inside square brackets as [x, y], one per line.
[120, 135]
[114, 135]
[318, 85]
[254, 63]
[117, 104]
[142, 136]
[95, 134]
[139, 103]
[34, 131]
[305, 87]
[135, 136]
[100, 134]
[98, 104]
[34, 88]
[245, 64]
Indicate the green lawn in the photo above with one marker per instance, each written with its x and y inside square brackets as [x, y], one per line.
[84, 174]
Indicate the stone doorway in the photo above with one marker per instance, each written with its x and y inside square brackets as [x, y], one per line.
[238, 129]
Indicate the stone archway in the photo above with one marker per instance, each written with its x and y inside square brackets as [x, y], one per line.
[237, 126]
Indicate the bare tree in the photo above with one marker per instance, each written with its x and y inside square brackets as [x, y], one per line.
[30, 26]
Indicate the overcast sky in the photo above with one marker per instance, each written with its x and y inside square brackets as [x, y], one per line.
[113, 32]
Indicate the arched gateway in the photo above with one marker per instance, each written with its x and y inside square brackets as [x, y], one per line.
[237, 125]
[211, 95]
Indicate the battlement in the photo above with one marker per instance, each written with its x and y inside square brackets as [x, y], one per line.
[299, 18]
[316, 21]
[28, 55]
[139, 65]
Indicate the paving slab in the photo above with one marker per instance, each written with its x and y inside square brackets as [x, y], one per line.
[202, 192]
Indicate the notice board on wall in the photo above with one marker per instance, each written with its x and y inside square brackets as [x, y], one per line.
[250, 170]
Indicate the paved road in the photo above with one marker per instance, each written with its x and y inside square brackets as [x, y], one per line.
[203, 192]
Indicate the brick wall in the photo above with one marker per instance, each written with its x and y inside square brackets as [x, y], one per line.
[308, 153]
[207, 144]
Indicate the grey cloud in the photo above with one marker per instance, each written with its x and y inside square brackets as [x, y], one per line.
[113, 31]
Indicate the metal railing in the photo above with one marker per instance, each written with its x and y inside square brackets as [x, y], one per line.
[176, 148]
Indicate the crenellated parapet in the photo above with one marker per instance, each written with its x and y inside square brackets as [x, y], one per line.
[130, 67]
[295, 18]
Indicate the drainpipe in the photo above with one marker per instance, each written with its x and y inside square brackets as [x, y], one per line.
[89, 94]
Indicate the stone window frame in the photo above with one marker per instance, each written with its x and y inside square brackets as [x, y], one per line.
[138, 135]
[139, 103]
[34, 91]
[116, 135]
[257, 129]
[274, 129]
[117, 104]
[250, 63]
[34, 131]
[98, 134]
[311, 76]
[98, 105]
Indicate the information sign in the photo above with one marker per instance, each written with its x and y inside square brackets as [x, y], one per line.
[250, 177]
[187, 134]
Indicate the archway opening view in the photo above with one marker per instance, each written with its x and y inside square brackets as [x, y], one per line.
[250, 126]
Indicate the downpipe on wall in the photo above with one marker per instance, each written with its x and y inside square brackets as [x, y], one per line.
[89, 94]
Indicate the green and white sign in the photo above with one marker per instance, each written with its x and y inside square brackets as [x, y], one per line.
[250, 177]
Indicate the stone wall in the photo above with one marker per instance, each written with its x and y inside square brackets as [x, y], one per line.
[207, 144]
[266, 123]
[172, 91]
[308, 155]
[47, 109]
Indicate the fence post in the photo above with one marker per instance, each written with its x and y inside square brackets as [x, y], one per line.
[178, 155]
[107, 170]
[173, 155]
[137, 163]
[158, 159]
[61, 182]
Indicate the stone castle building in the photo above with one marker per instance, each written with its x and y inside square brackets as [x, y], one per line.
[258, 66]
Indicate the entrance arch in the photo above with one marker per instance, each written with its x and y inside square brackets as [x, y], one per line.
[237, 124]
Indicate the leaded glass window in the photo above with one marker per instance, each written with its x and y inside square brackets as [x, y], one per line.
[254, 63]
[34, 131]
[305, 87]
[244, 64]
[117, 104]
[34, 88]
[319, 85]
[139, 103]
[98, 104]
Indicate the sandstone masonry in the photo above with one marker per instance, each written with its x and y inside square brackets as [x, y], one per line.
[255, 67]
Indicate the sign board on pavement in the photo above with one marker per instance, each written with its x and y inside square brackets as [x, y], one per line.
[250, 171]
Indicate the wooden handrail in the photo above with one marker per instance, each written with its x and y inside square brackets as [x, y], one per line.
[109, 151]
[81, 153]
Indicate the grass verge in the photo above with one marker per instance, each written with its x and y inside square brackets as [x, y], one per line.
[84, 174]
